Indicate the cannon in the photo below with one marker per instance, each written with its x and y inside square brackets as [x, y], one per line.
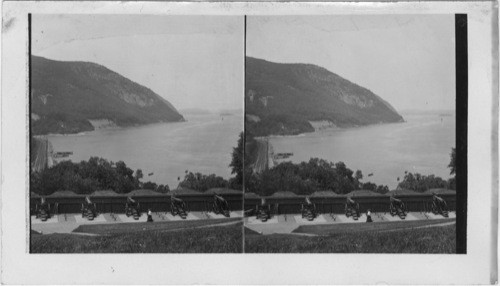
[89, 209]
[132, 208]
[178, 207]
[263, 210]
[42, 210]
[351, 208]
[308, 209]
[439, 206]
[397, 207]
[220, 206]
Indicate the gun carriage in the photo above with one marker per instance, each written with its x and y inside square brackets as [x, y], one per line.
[89, 209]
[220, 206]
[132, 208]
[178, 207]
[397, 207]
[351, 208]
[263, 210]
[308, 209]
[42, 210]
[439, 206]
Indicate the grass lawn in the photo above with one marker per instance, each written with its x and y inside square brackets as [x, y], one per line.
[362, 227]
[216, 239]
[104, 229]
[424, 240]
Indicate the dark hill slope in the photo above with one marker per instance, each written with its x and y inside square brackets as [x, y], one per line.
[285, 97]
[66, 95]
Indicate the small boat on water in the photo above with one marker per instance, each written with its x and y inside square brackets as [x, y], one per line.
[283, 155]
[62, 154]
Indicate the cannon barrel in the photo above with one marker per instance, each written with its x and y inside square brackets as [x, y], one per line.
[395, 200]
[350, 201]
[308, 201]
[217, 197]
[177, 202]
[439, 199]
[176, 199]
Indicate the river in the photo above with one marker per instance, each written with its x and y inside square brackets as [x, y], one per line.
[203, 143]
[422, 144]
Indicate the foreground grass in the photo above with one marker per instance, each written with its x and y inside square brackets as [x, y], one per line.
[423, 240]
[217, 239]
[362, 227]
[114, 228]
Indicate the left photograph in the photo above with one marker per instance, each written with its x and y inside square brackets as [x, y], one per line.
[136, 134]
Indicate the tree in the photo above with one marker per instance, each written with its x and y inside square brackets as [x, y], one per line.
[237, 162]
[381, 189]
[421, 183]
[200, 182]
[358, 175]
[452, 164]
[138, 174]
[149, 185]
[452, 183]
[85, 177]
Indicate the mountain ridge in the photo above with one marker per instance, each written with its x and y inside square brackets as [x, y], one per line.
[67, 95]
[283, 98]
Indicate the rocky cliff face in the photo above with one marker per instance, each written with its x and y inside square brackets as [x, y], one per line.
[67, 96]
[286, 97]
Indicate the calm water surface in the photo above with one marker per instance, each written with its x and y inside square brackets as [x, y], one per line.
[202, 144]
[422, 144]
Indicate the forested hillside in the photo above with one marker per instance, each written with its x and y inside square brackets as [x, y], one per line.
[285, 98]
[69, 97]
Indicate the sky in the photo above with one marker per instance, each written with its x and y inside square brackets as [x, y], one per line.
[192, 61]
[408, 60]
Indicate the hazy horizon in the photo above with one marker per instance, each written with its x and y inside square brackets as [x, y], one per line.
[191, 61]
[408, 60]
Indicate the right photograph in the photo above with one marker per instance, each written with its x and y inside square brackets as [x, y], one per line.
[350, 134]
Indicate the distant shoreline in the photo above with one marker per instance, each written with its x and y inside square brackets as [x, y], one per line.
[108, 128]
[328, 130]
[439, 113]
[116, 127]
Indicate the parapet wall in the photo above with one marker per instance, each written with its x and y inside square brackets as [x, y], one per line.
[157, 203]
[414, 203]
[285, 205]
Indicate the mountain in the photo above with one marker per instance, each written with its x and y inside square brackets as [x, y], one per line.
[289, 99]
[71, 97]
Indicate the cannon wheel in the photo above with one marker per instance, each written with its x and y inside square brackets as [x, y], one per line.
[434, 208]
[392, 211]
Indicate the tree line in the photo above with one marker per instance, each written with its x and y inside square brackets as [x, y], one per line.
[306, 178]
[86, 177]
